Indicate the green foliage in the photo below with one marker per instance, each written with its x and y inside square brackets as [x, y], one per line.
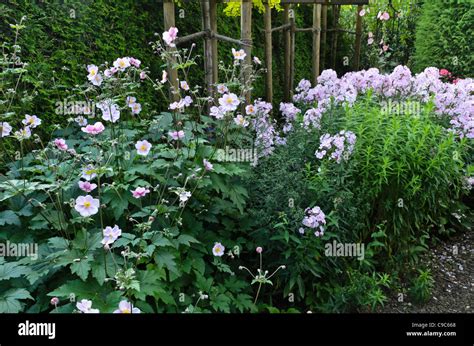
[395, 192]
[408, 169]
[421, 286]
[444, 37]
[164, 254]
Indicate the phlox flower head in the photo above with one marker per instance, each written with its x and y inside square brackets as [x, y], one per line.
[143, 147]
[87, 205]
[289, 111]
[315, 219]
[60, 143]
[111, 234]
[218, 250]
[303, 85]
[31, 120]
[126, 307]
[5, 129]
[338, 147]
[140, 192]
[87, 186]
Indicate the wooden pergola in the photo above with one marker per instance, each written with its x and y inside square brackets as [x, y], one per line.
[319, 32]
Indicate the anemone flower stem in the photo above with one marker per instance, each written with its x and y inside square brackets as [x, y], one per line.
[195, 305]
[242, 267]
[280, 267]
[113, 260]
[105, 263]
[258, 292]
[21, 163]
[100, 209]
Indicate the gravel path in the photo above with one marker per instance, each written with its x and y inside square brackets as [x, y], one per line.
[453, 273]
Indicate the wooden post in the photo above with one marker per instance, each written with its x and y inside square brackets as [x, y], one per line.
[215, 57]
[324, 29]
[358, 38]
[208, 56]
[246, 37]
[268, 53]
[336, 11]
[316, 41]
[169, 21]
[287, 41]
[292, 58]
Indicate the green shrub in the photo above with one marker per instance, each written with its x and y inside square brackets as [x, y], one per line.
[397, 189]
[444, 37]
[422, 285]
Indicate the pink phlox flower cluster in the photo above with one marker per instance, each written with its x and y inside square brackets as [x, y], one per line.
[338, 147]
[315, 219]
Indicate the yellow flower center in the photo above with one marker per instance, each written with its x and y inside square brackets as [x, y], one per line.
[122, 63]
[143, 147]
[87, 204]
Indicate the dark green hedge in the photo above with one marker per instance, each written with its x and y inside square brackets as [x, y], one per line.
[62, 37]
[444, 37]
